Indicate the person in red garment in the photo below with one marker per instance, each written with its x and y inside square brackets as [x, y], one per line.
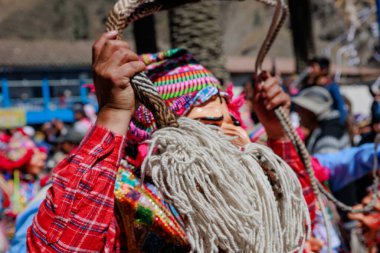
[78, 213]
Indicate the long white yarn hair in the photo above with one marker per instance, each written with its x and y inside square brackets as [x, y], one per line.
[230, 200]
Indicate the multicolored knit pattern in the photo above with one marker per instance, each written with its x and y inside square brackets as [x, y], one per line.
[180, 80]
[150, 221]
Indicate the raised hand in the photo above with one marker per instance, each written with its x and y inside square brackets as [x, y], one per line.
[114, 64]
[241, 135]
[268, 96]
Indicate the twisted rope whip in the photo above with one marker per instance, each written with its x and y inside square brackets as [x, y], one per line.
[279, 18]
[123, 13]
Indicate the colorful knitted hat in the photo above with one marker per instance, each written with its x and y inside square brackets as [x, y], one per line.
[180, 80]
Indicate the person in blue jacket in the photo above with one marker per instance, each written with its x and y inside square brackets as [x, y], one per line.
[348, 165]
[319, 74]
[24, 220]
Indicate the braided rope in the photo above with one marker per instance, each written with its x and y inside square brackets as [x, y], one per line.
[124, 12]
[148, 96]
[317, 188]
[279, 18]
[277, 22]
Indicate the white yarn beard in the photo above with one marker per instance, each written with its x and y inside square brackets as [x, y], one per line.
[223, 194]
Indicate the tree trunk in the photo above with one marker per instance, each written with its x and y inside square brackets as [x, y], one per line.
[302, 30]
[196, 27]
[144, 32]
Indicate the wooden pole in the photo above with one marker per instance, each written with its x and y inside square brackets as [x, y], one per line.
[302, 32]
[144, 32]
[196, 27]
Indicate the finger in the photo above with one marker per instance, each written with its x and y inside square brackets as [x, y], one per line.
[130, 69]
[228, 127]
[281, 100]
[231, 127]
[230, 133]
[257, 99]
[122, 56]
[273, 97]
[117, 44]
[256, 85]
[269, 83]
[240, 139]
[112, 46]
[270, 104]
[101, 41]
[273, 92]
[236, 131]
[288, 104]
[265, 75]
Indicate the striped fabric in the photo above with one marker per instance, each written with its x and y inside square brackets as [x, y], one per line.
[180, 80]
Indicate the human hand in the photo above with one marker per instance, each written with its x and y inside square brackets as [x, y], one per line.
[241, 135]
[313, 245]
[267, 97]
[114, 64]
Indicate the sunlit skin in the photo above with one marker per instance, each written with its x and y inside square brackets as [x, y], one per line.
[314, 71]
[368, 221]
[309, 120]
[266, 97]
[37, 163]
[313, 245]
[215, 112]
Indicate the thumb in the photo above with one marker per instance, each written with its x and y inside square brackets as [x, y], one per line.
[258, 80]
[256, 89]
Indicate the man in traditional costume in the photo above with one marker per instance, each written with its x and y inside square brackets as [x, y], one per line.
[80, 213]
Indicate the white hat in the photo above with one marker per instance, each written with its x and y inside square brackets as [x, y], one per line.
[314, 99]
